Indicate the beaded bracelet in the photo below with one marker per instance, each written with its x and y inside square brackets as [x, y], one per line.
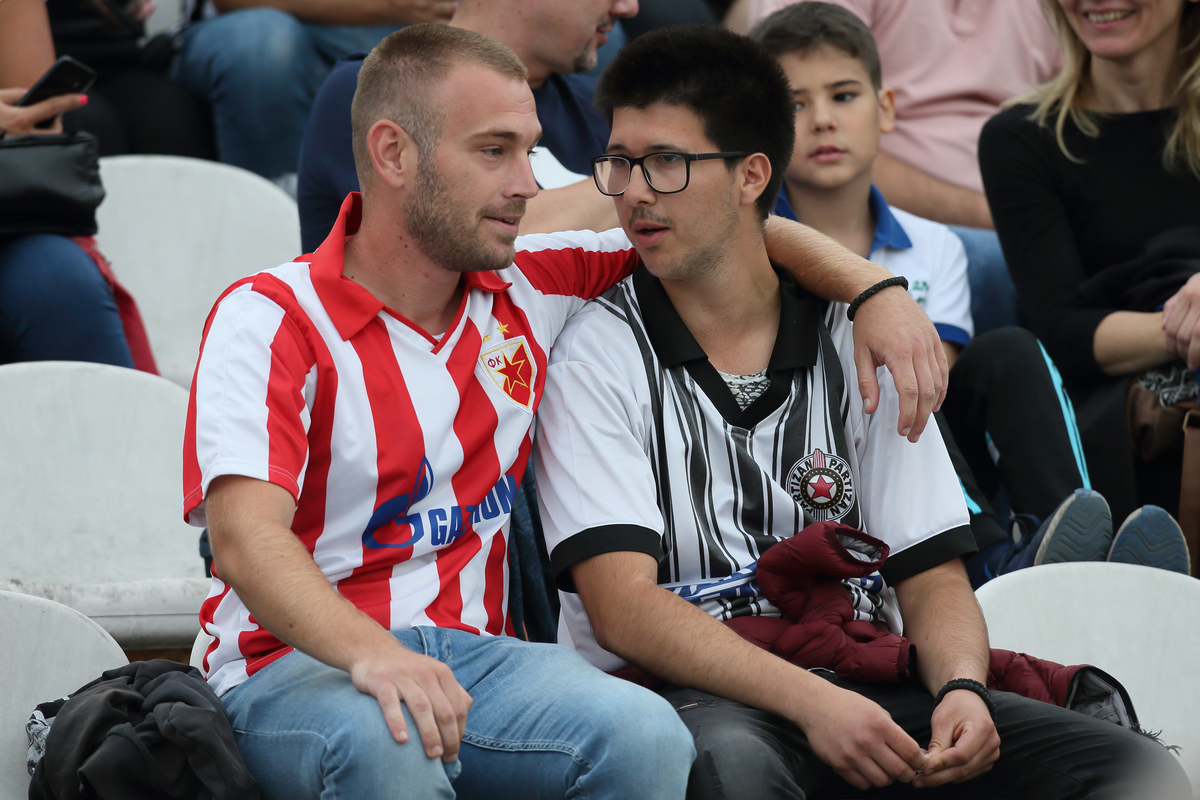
[899, 280]
[971, 686]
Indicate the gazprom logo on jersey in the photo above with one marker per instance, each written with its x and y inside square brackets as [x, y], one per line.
[393, 526]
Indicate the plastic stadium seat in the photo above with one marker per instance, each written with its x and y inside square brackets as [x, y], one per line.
[48, 652]
[178, 232]
[167, 14]
[196, 659]
[91, 511]
[1134, 622]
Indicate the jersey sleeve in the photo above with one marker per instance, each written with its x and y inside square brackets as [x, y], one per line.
[596, 489]
[579, 264]
[949, 301]
[248, 414]
[910, 494]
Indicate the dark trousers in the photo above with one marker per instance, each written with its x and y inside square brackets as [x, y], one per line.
[1004, 387]
[1046, 753]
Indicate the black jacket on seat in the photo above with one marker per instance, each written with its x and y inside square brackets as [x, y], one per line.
[148, 730]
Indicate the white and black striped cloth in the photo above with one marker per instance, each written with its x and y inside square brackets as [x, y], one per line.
[643, 447]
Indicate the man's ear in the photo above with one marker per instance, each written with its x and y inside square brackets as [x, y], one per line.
[756, 173]
[887, 110]
[393, 153]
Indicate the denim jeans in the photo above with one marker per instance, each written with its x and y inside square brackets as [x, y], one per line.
[544, 724]
[260, 68]
[993, 296]
[55, 305]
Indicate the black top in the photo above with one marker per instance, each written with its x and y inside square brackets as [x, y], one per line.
[1060, 221]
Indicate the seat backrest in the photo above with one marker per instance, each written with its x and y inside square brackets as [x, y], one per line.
[1136, 623]
[48, 651]
[166, 15]
[178, 232]
[91, 477]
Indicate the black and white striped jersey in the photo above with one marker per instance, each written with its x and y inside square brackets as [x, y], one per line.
[641, 446]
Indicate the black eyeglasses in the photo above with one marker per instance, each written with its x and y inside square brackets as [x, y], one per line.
[667, 173]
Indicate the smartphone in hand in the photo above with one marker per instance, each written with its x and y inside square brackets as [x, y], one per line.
[66, 76]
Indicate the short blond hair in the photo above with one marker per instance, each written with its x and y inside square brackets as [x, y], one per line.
[398, 81]
[1059, 99]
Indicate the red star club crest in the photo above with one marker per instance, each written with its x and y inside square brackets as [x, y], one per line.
[512, 370]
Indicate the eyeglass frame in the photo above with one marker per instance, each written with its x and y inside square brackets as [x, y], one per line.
[688, 158]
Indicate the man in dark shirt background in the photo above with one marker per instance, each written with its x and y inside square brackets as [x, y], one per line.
[556, 40]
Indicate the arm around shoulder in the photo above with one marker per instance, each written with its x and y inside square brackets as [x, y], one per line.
[890, 329]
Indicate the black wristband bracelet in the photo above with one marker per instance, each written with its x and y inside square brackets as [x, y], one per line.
[899, 280]
[971, 686]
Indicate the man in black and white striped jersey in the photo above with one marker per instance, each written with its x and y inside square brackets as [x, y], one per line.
[698, 413]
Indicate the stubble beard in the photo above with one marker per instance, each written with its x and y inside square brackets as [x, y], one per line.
[446, 233]
[704, 259]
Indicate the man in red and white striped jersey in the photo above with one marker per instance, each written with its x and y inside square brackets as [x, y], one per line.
[359, 422]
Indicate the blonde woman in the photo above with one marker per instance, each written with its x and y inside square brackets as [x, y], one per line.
[1081, 175]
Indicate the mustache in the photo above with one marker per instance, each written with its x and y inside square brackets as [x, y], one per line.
[514, 209]
[645, 215]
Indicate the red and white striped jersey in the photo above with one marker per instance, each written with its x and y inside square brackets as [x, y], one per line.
[403, 451]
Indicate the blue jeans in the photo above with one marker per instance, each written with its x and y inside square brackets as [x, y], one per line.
[993, 296]
[260, 68]
[544, 724]
[55, 305]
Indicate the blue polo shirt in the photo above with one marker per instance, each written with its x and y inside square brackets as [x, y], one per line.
[925, 252]
[572, 132]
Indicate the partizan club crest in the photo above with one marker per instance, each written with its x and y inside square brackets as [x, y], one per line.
[512, 369]
[822, 483]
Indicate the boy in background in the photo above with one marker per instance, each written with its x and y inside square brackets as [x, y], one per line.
[1006, 421]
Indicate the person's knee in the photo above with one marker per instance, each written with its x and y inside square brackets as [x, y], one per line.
[256, 44]
[637, 735]
[1001, 350]
[344, 748]
[44, 273]
[734, 758]
[1142, 761]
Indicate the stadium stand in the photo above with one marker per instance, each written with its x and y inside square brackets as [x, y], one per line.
[89, 495]
[1116, 616]
[38, 637]
[179, 231]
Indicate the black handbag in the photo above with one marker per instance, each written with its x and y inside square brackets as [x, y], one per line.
[49, 184]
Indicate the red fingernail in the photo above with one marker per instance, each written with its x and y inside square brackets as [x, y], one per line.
[83, 100]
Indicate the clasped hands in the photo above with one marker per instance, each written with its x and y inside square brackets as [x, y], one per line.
[860, 741]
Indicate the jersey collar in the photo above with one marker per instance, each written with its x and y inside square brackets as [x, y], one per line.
[349, 304]
[795, 343]
[888, 231]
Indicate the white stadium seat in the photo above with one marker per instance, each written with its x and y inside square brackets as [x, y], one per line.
[196, 659]
[178, 232]
[91, 508]
[1136, 623]
[167, 15]
[48, 652]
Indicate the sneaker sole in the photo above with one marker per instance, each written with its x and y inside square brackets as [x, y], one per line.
[1152, 538]
[1081, 530]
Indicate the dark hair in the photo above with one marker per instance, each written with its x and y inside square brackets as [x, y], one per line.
[738, 91]
[803, 27]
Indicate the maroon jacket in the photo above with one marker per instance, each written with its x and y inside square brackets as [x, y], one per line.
[803, 576]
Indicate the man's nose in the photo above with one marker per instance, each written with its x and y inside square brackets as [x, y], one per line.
[624, 8]
[639, 192]
[522, 182]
